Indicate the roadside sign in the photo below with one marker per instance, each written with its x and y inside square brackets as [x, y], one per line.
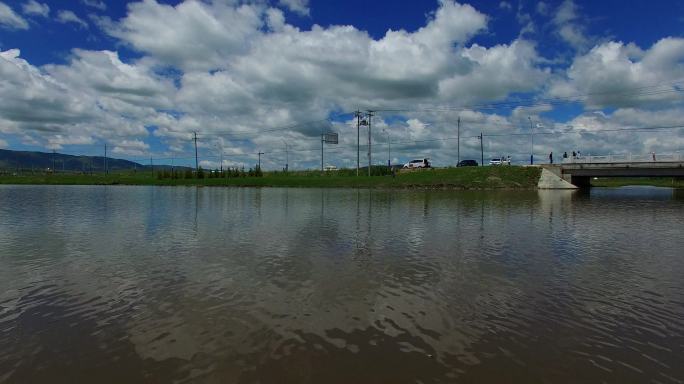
[330, 138]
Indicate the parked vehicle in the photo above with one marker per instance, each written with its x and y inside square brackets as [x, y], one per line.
[499, 161]
[419, 163]
[467, 163]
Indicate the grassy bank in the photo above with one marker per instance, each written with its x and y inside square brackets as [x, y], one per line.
[650, 181]
[455, 178]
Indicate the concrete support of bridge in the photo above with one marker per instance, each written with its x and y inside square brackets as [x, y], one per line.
[550, 178]
[582, 182]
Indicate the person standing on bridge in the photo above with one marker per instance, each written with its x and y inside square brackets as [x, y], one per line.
[551, 158]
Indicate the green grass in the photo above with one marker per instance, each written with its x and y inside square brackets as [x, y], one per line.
[454, 178]
[650, 181]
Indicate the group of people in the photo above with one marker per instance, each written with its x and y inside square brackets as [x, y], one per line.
[575, 155]
[505, 160]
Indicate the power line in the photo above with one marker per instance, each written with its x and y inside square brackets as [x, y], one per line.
[575, 130]
[265, 130]
[635, 129]
[547, 101]
[536, 102]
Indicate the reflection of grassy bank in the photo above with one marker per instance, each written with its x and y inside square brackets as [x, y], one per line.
[457, 178]
[652, 181]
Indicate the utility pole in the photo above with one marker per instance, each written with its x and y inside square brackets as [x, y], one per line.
[53, 161]
[389, 149]
[219, 147]
[287, 157]
[481, 149]
[196, 160]
[260, 153]
[370, 151]
[458, 141]
[358, 141]
[322, 141]
[152, 165]
[532, 140]
[105, 159]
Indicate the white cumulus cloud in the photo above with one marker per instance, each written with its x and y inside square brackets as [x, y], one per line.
[191, 35]
[10, 19]
[97, 4]
[32, 7]
[569, 27]
[615, 74]
[131, 148]
[66, 16]
[61, 105]
[297, 6]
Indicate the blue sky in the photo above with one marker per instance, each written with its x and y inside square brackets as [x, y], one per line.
[248, 76]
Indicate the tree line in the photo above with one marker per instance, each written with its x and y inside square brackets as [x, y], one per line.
[209, 174]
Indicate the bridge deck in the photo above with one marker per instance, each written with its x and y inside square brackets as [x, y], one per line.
[621, 169]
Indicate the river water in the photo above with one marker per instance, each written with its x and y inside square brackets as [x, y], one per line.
[217, 285]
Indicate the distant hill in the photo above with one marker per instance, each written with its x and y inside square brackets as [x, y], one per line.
[25, 160]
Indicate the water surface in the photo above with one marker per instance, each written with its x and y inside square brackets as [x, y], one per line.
[208, 285]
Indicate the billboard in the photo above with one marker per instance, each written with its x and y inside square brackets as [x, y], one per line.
[330, 138]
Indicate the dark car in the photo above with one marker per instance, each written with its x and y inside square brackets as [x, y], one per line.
[467, 163]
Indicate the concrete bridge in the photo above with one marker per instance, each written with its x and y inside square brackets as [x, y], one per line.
[578, 171]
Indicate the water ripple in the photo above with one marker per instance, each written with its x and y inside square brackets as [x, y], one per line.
[209, 285]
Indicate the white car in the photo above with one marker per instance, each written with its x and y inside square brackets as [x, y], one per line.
[419, 163]
[499, 161]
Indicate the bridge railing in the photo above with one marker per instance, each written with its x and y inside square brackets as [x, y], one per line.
[625, 158]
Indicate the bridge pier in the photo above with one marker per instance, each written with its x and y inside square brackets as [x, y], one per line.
[551, 178]
[582, 182]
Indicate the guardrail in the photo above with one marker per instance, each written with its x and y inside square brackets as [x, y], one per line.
[625, 158]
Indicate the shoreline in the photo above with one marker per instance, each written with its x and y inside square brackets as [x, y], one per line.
[512, 178]
[480, 178]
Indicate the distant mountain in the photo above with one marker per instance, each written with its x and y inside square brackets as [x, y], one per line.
[44, 161]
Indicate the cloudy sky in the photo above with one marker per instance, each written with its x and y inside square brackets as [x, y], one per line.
[260, 76]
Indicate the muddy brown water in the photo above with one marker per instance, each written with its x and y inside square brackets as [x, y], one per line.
[219, 285]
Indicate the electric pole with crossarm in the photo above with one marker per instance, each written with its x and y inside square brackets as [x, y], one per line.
[259, 165]
[370, 151]
[196, 158]
[458, 141]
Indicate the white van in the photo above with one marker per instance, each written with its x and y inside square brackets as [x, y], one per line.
[419, 163]
[500, 161]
